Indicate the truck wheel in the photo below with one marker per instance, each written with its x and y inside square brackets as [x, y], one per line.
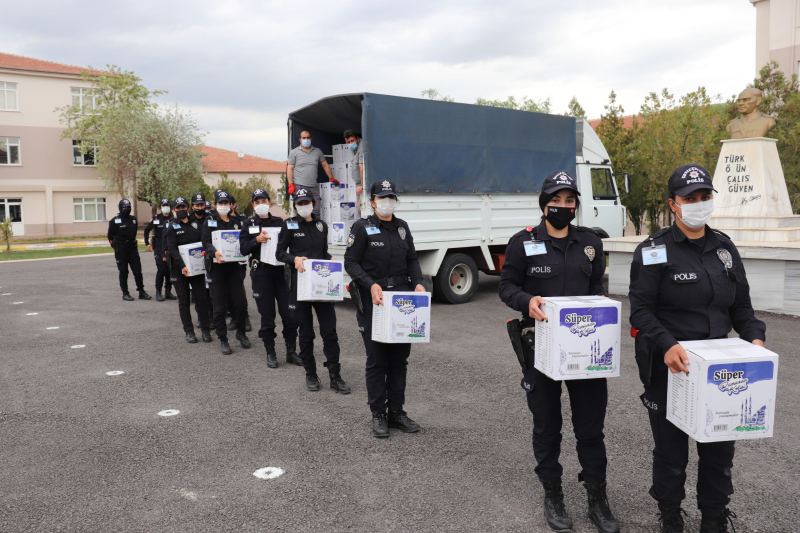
[457, 279]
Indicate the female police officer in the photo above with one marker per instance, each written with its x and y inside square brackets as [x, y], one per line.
[558, 259]
[224, 278]
[687, 283]
[269, 285]
[184, 230]
[305, 237]
[381, 255]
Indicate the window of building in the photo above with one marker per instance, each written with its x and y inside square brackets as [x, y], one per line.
[85, 99]
[87, 159]
[8, 96]
[11, 208]
[9, 151]
[89, 209]
[602, 184]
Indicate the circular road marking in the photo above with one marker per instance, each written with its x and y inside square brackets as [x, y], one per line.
[269, 472]
[168, 412]
[115, 373]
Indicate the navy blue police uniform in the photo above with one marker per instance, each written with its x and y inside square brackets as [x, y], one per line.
[383, 253]
[158, 227]
[269, 285]
[243, 273]
[224, 279]
[302, 238]
[180, 232]
[685, 289]
[121, 235]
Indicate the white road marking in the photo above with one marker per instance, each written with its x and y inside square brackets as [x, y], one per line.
[32, 314]
[269, 472]
[52, 327]
[189, 495]
[168, 412]
[17, 303]
[115, 373]
[6, 294]
[78, 346]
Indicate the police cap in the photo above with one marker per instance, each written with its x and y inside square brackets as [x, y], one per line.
[689, 178]
[383, 188]
[560, 179]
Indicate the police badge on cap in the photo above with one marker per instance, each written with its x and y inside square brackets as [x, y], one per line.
[560, 179]
[180, 200]
[689, 178]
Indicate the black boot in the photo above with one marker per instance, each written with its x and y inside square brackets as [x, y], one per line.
[291, 354]
[190, 337]
[169, 296]
[247, 326]
[671, 518]
[554, 511]
[272, 357]
[380, 425]
[599, 512]
[206, 335]
[399, 420]
[159, 296]
[312, 381]
[241, 336]
[224, 346]
[337, 383]
[144, 296]
[718, 524]
[127, 296]
[232, 323]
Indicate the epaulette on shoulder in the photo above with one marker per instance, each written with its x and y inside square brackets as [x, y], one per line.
[723, 234]
[586, 229]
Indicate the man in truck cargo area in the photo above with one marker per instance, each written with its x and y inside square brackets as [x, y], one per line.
[302, 168]
[356, 168]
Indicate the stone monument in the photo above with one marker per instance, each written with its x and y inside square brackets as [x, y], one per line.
[751, 123]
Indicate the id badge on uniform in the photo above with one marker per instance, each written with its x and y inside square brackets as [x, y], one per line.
[156, 222]
[176, 226]
[373, 230]
[292, 225]
[654, 255]
[212, 223]
[535, 248]
[254, 230]
[117, 221]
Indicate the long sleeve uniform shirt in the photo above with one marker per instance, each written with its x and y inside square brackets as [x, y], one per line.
[177, 233]
[247, 237]
[122, 229]
[377, 250]
[300, 238]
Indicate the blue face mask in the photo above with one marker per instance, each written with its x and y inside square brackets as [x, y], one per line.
[353, 146]
[305, 142]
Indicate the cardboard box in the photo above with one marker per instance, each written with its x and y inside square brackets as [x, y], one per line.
[192, 255]
[227, 243]
[729, 393]
[580, 339]
[338, 153]
[322, 281]
[338, 232]
[331, 193]
[268, 248]
[325, 212]
[404, 318]
[343, 211]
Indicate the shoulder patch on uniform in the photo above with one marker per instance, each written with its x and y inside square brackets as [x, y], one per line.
[725, 257]
[350, 240]
[319, 226]
[402, 232]
[589, 251]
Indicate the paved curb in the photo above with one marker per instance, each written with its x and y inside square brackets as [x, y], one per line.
[53, 246]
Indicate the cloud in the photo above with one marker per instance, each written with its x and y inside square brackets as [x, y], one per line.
[242, 66]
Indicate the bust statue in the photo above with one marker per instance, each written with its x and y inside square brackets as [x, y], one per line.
[751, 123]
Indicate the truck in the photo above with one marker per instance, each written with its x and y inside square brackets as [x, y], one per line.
[468, 176]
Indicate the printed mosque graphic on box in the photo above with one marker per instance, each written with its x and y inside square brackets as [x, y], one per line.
[739, 380]
[405, 318]
[321, 281]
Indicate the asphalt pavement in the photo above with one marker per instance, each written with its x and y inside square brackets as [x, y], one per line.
[86, 451]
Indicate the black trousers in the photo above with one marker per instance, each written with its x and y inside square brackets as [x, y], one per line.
[304, 319]
[198, 286]
[128, 255]
[387, 364]
[671, 455]
[163, 278]
[229, 302]
[588, 399]
[223, 280]
[269, 287]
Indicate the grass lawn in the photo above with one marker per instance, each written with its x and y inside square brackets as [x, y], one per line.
[63, 238]
[60, 252]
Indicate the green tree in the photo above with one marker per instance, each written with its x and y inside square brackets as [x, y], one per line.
[433, 94]
[523, 104]
[6, 232]
[574, 109]
[283, 198]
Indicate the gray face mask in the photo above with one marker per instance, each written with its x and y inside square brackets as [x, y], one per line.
[304, 210]
[696, 215]
[261, 210]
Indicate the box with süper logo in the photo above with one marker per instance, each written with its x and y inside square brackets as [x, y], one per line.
[268, 248]
[322, 281]
[580, 339]
[338, 232]
[192, 255]
[404, 317]
[729, 393]
[227, 243]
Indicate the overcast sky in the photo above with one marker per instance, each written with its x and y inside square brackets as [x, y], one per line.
[242, 66]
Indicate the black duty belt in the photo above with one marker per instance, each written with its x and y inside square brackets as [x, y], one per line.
[392, 281]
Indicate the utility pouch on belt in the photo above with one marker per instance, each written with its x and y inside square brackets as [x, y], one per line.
[519, 340]
[355, 296]
[287, 275]
[644, 353]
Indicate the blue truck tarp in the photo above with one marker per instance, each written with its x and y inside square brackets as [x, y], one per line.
[427, 146]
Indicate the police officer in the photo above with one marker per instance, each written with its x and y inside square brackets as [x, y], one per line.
[381, 256]
[306, 237]
[224, 278]
[556, 258]
[269, 285]
[687, 283]
[158, 226]
[183, 230]
[122, 237]
[198, 210]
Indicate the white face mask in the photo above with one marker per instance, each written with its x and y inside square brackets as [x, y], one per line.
[385, 206]
[262, 210]
[304, 210]
[165, 210]
[223, 210]
[696, 215]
